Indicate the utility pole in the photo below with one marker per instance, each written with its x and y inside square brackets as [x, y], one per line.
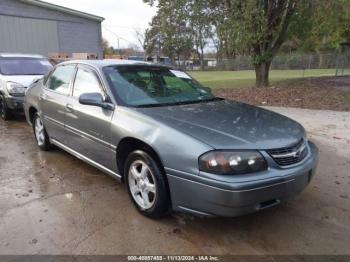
[118, 46]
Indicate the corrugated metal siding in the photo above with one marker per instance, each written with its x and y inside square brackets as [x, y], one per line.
[79, 38]
[75, 34]
[26, 35]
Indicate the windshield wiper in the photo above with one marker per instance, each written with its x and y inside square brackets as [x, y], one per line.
[197, 101]
[211, 100]
[181, 103]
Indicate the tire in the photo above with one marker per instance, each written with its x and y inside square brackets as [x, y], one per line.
[150, 184]
[40, 134]
[5, 112]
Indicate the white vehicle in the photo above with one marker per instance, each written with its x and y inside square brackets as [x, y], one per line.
[17, 72]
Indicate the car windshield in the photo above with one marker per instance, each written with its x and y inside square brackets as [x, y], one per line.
[147, 86]
[24, 66]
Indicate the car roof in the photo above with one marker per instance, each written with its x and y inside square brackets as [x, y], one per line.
[109, 62]
[19, 55]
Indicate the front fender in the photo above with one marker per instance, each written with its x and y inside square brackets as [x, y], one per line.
[177, 150]
[31, 99]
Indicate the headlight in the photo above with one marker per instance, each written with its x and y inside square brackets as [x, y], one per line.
[232, 162]
[15, 88]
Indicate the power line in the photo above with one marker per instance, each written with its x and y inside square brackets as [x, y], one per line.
[118, 36]
[126, 27]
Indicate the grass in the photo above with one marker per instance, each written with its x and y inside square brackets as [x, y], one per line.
[235, 79]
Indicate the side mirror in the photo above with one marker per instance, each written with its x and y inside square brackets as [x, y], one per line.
[95, 99]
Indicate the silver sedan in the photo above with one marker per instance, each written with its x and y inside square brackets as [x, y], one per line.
[176, 146]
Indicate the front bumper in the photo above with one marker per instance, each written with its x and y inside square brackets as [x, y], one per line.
[203, 196]
[15, 103]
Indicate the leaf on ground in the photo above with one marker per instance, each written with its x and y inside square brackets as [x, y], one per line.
[325, 93]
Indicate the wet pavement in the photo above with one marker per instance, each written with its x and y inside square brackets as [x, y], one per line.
[53, 203]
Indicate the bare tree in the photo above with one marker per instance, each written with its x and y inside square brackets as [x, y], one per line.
[140, 37]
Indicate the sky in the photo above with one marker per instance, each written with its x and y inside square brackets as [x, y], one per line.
[122, 17]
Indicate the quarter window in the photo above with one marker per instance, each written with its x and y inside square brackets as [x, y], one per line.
[61, 78]
[86, 82]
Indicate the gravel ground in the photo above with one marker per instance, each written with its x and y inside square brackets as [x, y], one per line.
[52, 203]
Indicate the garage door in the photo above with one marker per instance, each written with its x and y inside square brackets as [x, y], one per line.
[26, 35]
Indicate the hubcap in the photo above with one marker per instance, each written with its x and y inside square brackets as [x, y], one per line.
[39, 132]
[142, 184]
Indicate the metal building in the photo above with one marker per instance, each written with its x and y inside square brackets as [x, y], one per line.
[32, 26]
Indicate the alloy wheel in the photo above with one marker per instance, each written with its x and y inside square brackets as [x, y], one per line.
[39, 131]
[142, 184]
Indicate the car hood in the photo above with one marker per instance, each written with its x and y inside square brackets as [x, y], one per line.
[24, 80]
[229, 125]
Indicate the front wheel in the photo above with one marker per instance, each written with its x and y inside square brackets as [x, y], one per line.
[146, 185]
[40, 133]
[5, 112]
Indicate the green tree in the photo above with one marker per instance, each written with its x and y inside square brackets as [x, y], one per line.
[328, 27]
[152, 42]
[200, 22]
[107, 49]
[261, 27]
[258, 28]
[224, 36]
[170, 32]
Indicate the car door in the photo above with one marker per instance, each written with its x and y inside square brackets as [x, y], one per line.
[88, 128]
[54, 98]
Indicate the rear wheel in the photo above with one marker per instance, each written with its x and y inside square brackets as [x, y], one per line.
[40, 133]
[146, 185]
[5, 112]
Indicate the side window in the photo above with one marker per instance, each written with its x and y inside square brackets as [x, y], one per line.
[60, 79]
[86, 82]
[47, 77]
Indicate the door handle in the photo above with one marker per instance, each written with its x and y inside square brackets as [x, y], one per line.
[42, 96]
[69, 108]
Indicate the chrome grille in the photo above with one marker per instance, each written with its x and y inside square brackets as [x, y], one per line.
[289, 155]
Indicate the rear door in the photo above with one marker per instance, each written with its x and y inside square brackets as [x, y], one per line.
[54, 98]
[88, 128]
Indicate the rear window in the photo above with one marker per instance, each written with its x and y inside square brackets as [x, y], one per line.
[24, 66]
